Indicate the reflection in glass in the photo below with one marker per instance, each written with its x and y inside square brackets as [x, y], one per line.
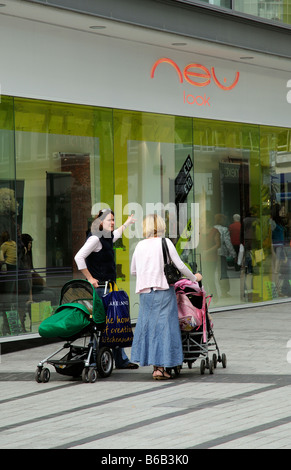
[58, 184]
[277, 10]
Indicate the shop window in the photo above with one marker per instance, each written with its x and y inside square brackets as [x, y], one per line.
[219, 3]
[276, 202]
[152, 150]
[227, 182]
[64, 169]
[276, 10]
[272, 10]
[60, 163]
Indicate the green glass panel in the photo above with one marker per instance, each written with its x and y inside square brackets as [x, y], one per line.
[276, 211]
[276, 10]
[64, 172]
[64, 161]
[227, 186]
[7, 162]
[150, 150]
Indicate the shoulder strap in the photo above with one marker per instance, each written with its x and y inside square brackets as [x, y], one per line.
[165, 250]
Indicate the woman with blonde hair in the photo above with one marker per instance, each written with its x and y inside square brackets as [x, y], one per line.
[8, 202]
[157, 337]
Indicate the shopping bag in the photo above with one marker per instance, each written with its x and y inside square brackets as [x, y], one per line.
[118, 329]
[240, 255]
[259, 255]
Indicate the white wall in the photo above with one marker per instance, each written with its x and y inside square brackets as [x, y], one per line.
[49, 62]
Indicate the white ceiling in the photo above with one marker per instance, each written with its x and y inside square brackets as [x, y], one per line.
[82, 22]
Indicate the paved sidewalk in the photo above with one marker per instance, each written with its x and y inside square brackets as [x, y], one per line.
[247, 405]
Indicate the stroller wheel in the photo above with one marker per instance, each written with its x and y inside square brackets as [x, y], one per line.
[85, 374]
[104, 362]
[45, 375]
[223, 359]
[42, 375]
[92, 375]
[214, 359]
[37, 375]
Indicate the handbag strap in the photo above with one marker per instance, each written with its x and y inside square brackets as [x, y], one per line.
[165, 251]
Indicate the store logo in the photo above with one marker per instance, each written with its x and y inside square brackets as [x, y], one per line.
[196, 71]
[288, 96]
[198, 100]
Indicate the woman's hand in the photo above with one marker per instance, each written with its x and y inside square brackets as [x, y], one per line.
[91, 279]
[130, 220]
[198, 277]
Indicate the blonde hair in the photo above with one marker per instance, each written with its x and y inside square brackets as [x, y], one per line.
[153, 226]
[4, 194]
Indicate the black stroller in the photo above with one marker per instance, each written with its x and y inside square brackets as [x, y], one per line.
[80, 316]
[198, 339]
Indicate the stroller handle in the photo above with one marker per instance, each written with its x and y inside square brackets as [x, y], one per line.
[195, 271]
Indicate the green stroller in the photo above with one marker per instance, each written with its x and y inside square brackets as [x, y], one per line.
[79, 317]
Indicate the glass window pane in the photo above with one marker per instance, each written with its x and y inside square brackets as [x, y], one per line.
[10, 213]
[277, 10]
[219, 3]
[151, 150]
[64, 161]
[219, 185]
[227, 187]
[276, 202]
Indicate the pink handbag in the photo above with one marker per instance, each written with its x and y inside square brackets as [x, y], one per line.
[190, 317]
[191, 313]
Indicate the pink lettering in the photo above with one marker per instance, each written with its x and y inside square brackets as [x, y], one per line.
[198, 100]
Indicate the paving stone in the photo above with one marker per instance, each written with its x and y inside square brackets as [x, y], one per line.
[244, 406]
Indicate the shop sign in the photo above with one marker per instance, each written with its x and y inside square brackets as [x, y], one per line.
[199, 76]
[201, 72]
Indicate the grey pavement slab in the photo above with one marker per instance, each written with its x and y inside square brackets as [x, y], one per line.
[246, 405]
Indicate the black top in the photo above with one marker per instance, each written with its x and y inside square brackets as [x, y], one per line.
[101, 264]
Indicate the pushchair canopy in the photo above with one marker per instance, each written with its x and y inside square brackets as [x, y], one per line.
[79, 308]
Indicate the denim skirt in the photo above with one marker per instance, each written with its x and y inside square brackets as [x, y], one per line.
[157, 336]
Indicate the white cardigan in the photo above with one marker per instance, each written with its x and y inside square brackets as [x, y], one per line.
[148, 265]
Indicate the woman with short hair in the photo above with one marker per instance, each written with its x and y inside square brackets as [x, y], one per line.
[96, 261]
